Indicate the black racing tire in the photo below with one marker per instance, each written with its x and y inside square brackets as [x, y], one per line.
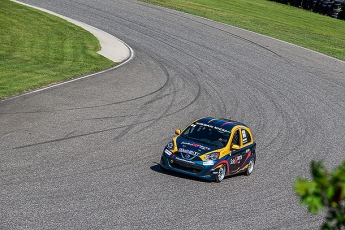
[221, 174]
[250, 168]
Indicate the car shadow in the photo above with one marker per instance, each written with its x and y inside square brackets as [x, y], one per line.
[158, 169]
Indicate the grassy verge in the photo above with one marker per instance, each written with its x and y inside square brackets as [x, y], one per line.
[314, 31]
[38, 49]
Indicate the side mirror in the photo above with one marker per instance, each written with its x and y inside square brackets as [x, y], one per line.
[234, 147]
[177, 132]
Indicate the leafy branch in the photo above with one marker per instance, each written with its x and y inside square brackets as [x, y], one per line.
[325, 191]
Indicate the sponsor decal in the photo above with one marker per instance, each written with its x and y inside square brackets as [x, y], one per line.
[182, 150]
[203, 124]
[222, 130]
[236, 160]
[228, 122]
[208, 163]
[190, 162]
[195, 145]
[213, 127]
[244, 136]
[167, 152]
[187, 154]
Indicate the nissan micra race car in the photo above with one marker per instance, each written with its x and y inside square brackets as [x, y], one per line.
[211, 149]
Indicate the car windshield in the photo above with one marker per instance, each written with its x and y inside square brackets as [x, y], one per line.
[207, 134]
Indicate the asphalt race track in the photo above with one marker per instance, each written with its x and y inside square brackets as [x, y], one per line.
[84, 155]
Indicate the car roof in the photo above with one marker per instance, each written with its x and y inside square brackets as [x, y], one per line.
[220, 122]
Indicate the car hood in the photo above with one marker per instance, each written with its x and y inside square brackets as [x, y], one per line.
[193, 147]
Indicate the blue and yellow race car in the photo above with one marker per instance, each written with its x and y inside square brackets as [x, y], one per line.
[211, 149]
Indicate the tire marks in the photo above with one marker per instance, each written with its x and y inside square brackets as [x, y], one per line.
[90, 149]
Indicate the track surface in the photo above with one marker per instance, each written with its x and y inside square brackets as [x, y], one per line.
[84, 155]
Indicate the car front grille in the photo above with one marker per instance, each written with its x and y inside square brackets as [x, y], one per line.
[183, 156]
[186, 166]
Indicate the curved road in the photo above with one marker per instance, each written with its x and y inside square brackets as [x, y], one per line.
[84, 155]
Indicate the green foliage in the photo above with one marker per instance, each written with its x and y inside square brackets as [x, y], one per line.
[325, 190]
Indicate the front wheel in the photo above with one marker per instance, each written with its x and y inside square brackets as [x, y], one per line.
[250, 167]
[221, 174]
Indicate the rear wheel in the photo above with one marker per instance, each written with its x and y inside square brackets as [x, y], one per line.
[250, 167]
[221, 174]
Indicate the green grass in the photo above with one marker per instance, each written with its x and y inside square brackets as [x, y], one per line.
[38, 49]
[311, 30]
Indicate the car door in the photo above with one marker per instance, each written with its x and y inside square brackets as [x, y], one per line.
[239, 155]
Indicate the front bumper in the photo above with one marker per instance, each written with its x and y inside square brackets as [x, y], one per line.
[200, 169]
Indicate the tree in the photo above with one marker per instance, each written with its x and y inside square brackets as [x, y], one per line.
[325, 190]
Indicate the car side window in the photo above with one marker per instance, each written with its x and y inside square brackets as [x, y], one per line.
[236, 138]
[246, 138]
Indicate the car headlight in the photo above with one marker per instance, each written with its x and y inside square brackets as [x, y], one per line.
[170, 145]
[212, 156]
